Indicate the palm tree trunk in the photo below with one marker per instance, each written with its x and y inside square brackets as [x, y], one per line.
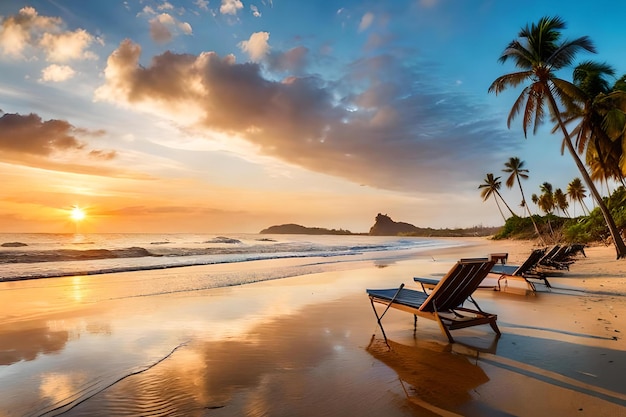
[620, 247]
[499, 208]
[507, 206]
[529, 213]
[582, 203]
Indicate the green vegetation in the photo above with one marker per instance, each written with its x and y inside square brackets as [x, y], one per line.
[581, 229]
[594, 110]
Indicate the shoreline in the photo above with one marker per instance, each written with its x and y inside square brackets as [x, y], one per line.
[309, 344]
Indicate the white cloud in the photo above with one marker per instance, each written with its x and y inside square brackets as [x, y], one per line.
[202, 4]
[366, 21]
[56, 73]
[257, 46]
[67, 46]
[185, 28]
[165, 6]
[28, 29]
[255, 11]
[231, 6]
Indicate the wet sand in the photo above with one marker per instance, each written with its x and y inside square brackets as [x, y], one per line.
[310, 345]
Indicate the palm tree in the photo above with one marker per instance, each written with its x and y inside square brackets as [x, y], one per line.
[600, 131]
[545, 202]
[491, 188]
[546, 199]
[515, 167]
[576, 192]
[560, 201]
[539, 54]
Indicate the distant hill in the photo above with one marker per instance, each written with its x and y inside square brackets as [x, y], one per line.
[296, 229]
[384, 226]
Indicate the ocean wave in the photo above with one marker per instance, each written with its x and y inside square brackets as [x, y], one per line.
[50, 256]
[59, 255]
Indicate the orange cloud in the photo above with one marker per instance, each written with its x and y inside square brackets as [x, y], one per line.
[380, 126]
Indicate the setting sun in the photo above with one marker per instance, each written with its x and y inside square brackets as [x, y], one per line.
[77, 214]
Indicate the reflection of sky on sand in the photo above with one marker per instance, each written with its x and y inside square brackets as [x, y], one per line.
[298, 347]
[58, 387]
[281, 366]
[103, 341]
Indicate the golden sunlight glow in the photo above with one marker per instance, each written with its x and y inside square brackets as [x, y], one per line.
[77, 214]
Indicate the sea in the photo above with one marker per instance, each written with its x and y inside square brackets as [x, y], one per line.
[48, 255]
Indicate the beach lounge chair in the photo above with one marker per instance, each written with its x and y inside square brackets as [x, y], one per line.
[431, 283]
[526, 271]
[445, 303]
[562, 258]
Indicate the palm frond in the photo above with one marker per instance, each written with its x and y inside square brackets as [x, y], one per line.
[509, 80]
[564, 55]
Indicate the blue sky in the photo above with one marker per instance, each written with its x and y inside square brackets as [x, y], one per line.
[218, 116]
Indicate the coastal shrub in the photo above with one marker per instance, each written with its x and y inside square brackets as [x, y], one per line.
[517, 227]
[582, 229]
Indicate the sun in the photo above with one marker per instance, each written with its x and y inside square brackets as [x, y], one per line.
[77, 214]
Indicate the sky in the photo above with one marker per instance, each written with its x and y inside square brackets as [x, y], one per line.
[219, 116]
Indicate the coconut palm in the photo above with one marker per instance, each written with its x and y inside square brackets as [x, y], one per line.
[546, 199]
[539, 53]
[515, 167]
[601, 121]
[491, 188]
[560, 201]
[576, 192]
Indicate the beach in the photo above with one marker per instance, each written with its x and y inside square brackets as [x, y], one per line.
[309, 345]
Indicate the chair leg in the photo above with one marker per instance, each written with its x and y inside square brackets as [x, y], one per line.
[444, 328]
[495, 328]
[378, 319]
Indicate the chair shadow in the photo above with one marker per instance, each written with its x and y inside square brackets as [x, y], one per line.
[433, 376]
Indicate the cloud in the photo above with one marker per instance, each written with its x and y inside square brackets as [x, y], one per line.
[231, 7]
[30, 134]
[366, 21]
[164, 27]
[67, 46]
[57, 73]
[202, 4]
[165, 6]
[159, 31]
[255, 11]
[257, 46]
[382, 125]
[30, 140]
[293, 61]
[28, 29]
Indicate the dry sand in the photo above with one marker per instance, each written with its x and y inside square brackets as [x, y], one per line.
[310, 345]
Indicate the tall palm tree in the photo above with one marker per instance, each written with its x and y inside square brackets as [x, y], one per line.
[515, 167]
[491, 188]
[576, 192]
[539, 53]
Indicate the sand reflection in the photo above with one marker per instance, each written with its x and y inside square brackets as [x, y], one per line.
[25, 344]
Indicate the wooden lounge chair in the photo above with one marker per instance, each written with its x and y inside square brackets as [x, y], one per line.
[526, 271]
[445, 303]
[562, 258]
[431, 283]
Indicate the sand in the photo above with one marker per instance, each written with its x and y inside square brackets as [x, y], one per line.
[310, 346]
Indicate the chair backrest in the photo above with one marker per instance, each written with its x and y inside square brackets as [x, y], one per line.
[458, 284]
[550, 254]
[533, 259]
